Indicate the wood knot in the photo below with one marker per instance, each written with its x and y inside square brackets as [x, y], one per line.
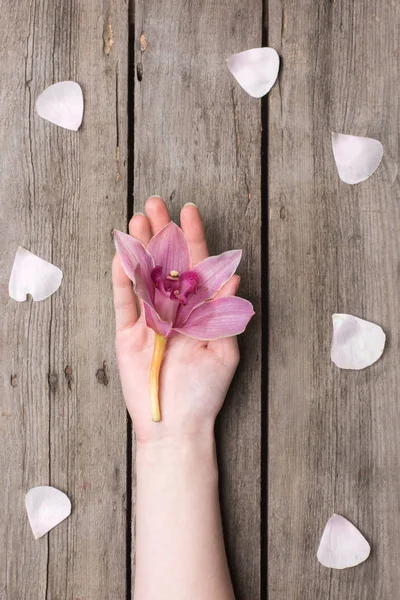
[282, 213]
[53, 381]
[101, 374]
[14, 380]
[118, 173]
[108, 38]
[68, 376]
[143, 42]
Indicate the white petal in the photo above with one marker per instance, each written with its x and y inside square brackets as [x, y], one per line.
[342, 545]
[46, 507]
[62, 104]
[357, 158]
[33, 275]
[356, 343]
[255, 70]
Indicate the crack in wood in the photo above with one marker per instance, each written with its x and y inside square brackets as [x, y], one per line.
[142, 48]
[117, 151]
[236, 125]
[247, 183]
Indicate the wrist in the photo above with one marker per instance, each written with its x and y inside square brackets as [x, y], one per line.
[180, 449]
[161, 437]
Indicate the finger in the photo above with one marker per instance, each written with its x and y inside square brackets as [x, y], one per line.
[157, 213]
[192, 226]
[227, 348]
[124, 297]
[139, 228]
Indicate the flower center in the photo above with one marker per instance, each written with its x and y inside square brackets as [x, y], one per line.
[177, 286]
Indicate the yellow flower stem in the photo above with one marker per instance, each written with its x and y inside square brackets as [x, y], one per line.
[159, 347]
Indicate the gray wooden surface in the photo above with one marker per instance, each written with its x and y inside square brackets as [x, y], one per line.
[333, 435]
[61, 195]
[334, 443]
[198, 139]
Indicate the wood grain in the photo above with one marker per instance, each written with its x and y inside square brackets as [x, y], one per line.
[61, 422]
[198, 138]
[334, 444]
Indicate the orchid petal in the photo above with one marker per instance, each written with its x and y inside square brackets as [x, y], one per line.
[218, 318]
[33, 275]
[357, 158]
[342, 545]
[154, 322]
[170, 249]
[255, 70]
[46, 507]
[142, 288]
[62, 104]
[213, 273]
[356, 343]
[134, 254]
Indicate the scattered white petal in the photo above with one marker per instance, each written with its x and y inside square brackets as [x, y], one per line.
[62, 104]
[357, 158]
[356, 343]
[342, 545]
[255, 70]
[46, 507]
[33, 275]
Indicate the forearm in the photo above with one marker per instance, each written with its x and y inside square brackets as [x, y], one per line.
[180, 551]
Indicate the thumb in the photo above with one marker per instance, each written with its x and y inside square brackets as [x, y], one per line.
[230, 288]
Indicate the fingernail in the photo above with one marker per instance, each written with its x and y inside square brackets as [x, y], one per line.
[191, 204]
[155, 196]
[136, 214]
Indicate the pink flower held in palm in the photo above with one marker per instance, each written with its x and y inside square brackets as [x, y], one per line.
[178, 298]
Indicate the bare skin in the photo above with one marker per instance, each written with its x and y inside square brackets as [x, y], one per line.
[179, 543]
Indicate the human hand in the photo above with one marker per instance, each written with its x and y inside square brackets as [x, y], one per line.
[195, 375]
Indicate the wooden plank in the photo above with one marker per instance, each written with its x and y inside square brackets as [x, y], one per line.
[198, 138]
[61, 422]
[334, 443]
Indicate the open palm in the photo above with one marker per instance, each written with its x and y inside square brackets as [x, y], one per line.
[195, 375]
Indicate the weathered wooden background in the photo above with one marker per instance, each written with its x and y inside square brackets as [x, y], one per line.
[196, 136]
[334, 443]
[61, 195]
[164, 116]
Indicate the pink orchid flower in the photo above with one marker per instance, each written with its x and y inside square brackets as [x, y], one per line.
[178, 298]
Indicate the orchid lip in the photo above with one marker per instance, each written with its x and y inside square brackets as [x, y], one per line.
[176, 286]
